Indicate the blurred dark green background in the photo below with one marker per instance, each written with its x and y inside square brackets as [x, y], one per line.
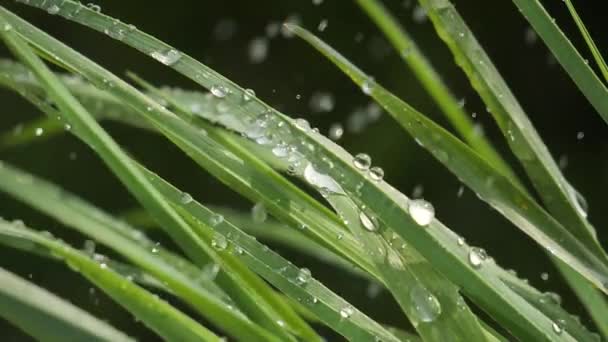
[220, 33]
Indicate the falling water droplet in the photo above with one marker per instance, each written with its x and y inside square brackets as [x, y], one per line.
[426, 305]
[421, 211]
[477, 256]
[362, 161]
[336, 131]
[39, 131]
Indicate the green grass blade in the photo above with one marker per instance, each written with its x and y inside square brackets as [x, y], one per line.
[566, 54]
[157, 314]
[558, 195]
[590, 43]
[492, 186]
[47, 317]
[181, 278]
[252, 294]
[431, 80]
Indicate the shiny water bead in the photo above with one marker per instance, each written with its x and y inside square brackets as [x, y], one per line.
[219, 242]
[460, 241]
[303, 276]
[219, 91]
[367, 87]
[39, 131]
[336, 131]
[369, 223]
[258, 50]
[53, 9]
[258, 213]
[421, 211]
[346, 312]
[168, 57]
[477, 256]
[248, 95]
[185, 198]
[376, 173]
[216, 219]
[362, 161]
[426, 305]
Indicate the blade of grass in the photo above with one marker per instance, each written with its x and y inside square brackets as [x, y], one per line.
[47, 317]
[193, 287]
[431, 80]
[157, 314]
[252, 294]
[601, 63]
[442, 242]
[566, 54]
[474, 171]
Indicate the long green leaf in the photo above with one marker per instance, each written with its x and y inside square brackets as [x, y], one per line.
[565, 53]
[157, 314]
[47, 317]
[183, 279]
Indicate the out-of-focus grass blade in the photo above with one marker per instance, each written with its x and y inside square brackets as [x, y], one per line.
[597, 55]
[253, 296]
[47, 317]
[181, 278]
[565, 53]
[559, 196]
[474, 171]
[431, 80]
[438, 244]
[157, 314]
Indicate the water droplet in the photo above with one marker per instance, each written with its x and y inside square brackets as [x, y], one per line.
[376, 173]
[281, 323]
[346, 312]
[426, 305]
[248, 95]
[322, 25]
[219, 91]
[580, 135]
[460, 241]
[544, 276]
[317, 2]
[185, 198]
[39, 131]
[302, 124]
[336, 131]
[94, 8]
[421, 211]
[303, 276]
[320, 181]
[258, 50]
[53, 9]
[219, 242]
[321, 102]
[419, 14]
[367, 87]
[6, 27]
[216, 219]
[168, 57]
[89, 247]
[557, 328]
[477, 256]
[362, 161]
[258, 213]
[369, 222]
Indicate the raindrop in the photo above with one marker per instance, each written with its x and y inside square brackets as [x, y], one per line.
[317, 2]
[94, 8]
[544, 276]
[225, 29]
[460, 191]
[336, 131]
[53, 9]
[248, 95]
[530, 36]
[367, 86]
[89, 247]
[557, 327]
[419, 14]
[258, 50]
[418, 191]
[362, 161]
[216, 219]
[421, 211]
[346, 312]
[185, 198]
[376, 173]
[39, 131]
[477, 256]
[369, 223]
[169, 57]
[322, 25]
[281, 150]
[303, 276]
[320, 180]
[302, 124]
[460, 241]
[426, 305]
[580, 135]
[219, 242]
[258, 213]
[321, 102]
[219, 91]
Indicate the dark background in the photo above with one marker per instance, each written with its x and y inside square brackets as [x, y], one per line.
[557, 109]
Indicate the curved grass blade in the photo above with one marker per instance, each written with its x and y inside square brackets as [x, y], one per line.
[47, 317]
[431, 80]
[182, 279]
[474, 171]
[559, 196]
[590, 43]
[158, 315]
[438, 244]
[565, 53]
[254, 297]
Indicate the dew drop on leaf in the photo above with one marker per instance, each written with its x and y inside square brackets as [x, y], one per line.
[258, 213]
[362, 161]
[346, 312]
[421, 211]
[369, 223]
[304, 276]
[477, 256]
[168, 57]
[426, 305]
[219, 91]
[376, 173]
